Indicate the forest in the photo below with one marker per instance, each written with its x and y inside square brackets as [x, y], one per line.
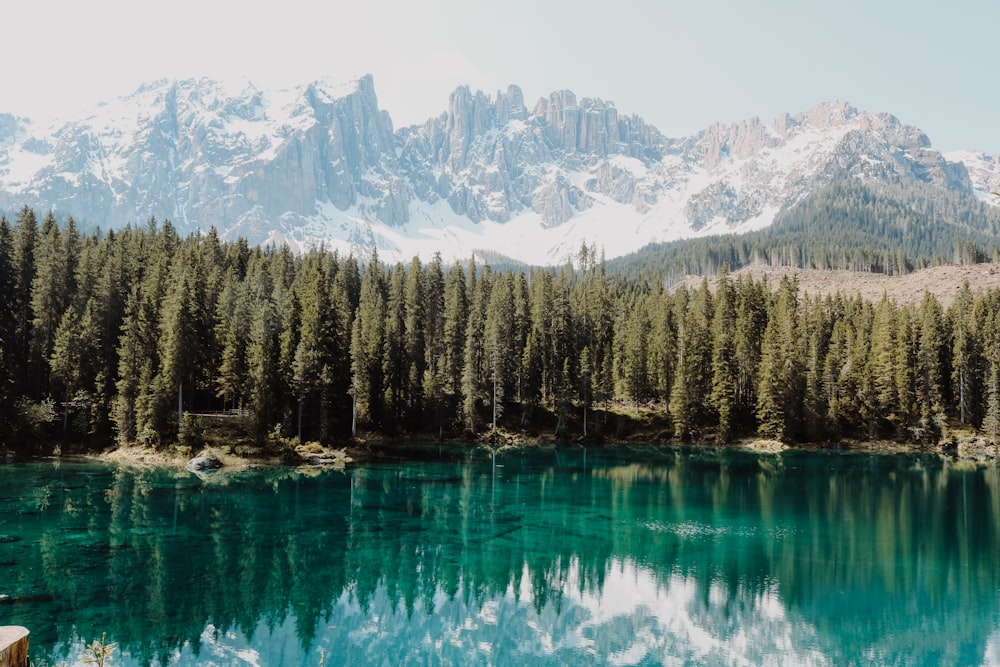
[880, 226]
[122, 335]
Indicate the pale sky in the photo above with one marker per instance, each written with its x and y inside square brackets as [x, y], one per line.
[681, 65]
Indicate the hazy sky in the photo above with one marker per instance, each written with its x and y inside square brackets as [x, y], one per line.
[679, 64]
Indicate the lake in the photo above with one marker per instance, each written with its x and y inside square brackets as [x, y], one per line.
[615, 555]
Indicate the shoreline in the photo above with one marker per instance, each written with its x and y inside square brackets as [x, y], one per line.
[970, 449]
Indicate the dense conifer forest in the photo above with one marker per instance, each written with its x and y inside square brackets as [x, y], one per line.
[126, 334]
[879, 226]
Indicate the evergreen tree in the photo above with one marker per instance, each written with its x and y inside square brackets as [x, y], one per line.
[662, 349]
[434, 339]
[751, 320]
[930, 370]
[692, 388]
[18, 348]
[73, 354]
[179, 350]
[232, 331]
[456, 316]
[418, 309]
[8, 328]
[49, 296]
[368, 339]
[288, 344]
[635, 353]
[475, 368]
[396, 362]
[780, 378]
[313, 358]
[262, 350]
[991, 417]
[136, 361]
[724, 356]
[906, 368]
[499, 341]
[884, 347]
[966, 363]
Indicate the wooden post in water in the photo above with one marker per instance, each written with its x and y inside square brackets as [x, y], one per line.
[13, 646]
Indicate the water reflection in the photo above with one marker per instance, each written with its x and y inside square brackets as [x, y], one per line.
[714, 557]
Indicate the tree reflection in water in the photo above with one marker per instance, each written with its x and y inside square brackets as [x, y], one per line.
[703, 556]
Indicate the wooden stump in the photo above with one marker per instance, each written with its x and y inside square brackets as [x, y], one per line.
[13, 646]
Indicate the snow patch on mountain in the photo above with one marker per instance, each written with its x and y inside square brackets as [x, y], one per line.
[984, 171]
[322, 164]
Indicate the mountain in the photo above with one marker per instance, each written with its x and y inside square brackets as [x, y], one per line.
[322, 163]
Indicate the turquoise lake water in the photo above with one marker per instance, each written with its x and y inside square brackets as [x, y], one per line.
[550, 557]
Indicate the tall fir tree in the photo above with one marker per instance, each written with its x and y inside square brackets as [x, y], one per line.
[368, 338]
[724, 356]
[19, 347]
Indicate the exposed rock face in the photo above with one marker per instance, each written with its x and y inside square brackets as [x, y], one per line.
[322, 163]
[201, 156]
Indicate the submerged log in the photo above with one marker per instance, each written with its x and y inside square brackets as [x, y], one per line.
[13, 646]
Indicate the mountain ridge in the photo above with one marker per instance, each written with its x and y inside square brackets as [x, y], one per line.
[322, 163]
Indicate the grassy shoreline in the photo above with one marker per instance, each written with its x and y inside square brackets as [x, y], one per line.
[647, 427]
[968, 449]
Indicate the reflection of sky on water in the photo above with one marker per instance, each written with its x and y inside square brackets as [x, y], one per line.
[800, 559]
[632, 619]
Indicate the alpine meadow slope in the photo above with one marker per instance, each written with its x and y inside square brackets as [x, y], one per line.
[323, 164]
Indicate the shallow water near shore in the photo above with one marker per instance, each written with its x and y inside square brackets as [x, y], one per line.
[539, 556]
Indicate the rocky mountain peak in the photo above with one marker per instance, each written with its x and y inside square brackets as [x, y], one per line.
[828, 114]
[323, 163]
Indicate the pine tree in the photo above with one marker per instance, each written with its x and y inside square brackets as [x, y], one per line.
[544, 335]
[884, 348]
[434, 339]
[104, 280]
[662, 346]
[524, 391]
[691, 390]
[475, 365]
[966, 361]
[586, 384]
[232, 331]
[751, 320]
[262, 349]
[18, 348]
[73, 354]
[288, 344]
[136, 359]
[312, 361]
[780, 378]
[818, 326]
[635, 352]
[48, 296]
[415, 343]
[456, 316]
[368, 339]
[906, 368]
[991, 417]
[929, 370]
[8, 329]
[179, 351]
[499, 341]
[724, 356]
[395, 363]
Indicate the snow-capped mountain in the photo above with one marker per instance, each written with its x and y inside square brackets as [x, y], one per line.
[322, 164]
